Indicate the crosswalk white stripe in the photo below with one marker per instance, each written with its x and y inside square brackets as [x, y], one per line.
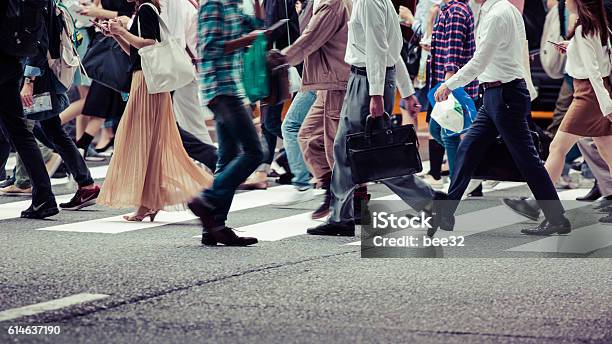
[52, 305]
[286, 227]
[501, 216]
[98, 172]
[580, 241]
[14, 209]
[116, 224]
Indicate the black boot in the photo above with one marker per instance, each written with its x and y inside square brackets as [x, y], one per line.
[593, 195]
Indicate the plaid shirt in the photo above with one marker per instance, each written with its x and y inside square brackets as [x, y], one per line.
[452, 43]
[221, 21]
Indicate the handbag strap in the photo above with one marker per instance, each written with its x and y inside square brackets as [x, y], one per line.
[287, 15]
[162, 24]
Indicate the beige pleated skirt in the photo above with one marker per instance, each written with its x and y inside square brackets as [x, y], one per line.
[150, 167]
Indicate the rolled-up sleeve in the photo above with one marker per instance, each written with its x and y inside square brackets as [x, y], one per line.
[376, 44]
[586, 48]
[212, 45]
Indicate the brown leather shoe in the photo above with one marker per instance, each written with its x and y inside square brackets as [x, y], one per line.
[227, 237]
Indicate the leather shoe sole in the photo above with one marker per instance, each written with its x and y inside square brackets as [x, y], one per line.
[514, 206]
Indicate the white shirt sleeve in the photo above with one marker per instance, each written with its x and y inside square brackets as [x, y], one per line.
[586, 49]
[491, 34]
[404, 84]
[374, 20]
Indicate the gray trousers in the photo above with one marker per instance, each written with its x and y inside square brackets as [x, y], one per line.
[355, 109]
[597, 165]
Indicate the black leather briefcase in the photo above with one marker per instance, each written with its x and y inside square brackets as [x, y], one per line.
[498, 164]
[383, 152]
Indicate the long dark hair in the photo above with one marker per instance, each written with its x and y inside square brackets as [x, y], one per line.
[592, 17]
[154, 2]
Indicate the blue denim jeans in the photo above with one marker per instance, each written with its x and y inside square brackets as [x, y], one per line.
[450, 143]
[291, 126]
[239, 153]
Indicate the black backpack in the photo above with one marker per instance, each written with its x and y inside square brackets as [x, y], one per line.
[22, 26]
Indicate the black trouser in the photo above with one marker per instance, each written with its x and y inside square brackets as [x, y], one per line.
[198, 150]
[270, 131]
[505, 111]
[5, 151]
[11, 117]
[67, 149]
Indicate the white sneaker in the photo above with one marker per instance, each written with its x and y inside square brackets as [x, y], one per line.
[435, 183]
[297, 196]
[53, 164]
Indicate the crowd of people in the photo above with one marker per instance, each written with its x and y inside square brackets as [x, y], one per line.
[353, 57]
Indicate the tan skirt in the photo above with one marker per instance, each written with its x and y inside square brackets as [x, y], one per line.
[150, 167]
[584, 117]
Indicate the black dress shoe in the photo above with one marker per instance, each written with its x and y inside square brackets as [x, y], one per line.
[227, 237]
[606, 219]
[333, 229]
[522, 207]
[604, 203]
[43, 210]
[593, 195]
[546, 228]
[440, 217]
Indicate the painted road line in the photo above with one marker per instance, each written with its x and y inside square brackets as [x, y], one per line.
[290, 226]
[580, 241]
[13, 209]
[98, 172]
[501, 216]
[52, 305]
[116, 224]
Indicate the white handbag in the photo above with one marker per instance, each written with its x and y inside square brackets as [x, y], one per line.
[166, 65]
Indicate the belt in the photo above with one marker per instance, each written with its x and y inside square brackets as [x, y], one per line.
[487, 85]
[362, 70]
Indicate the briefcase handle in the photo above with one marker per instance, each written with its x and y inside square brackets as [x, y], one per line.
[369, 126]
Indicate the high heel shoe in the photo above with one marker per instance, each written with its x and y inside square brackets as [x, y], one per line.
[108, 145]
[139, 218]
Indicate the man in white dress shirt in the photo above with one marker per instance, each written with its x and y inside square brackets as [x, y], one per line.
[498, 65]
[373, 51]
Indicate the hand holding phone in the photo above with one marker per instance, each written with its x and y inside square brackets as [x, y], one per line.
[560, 46]
[100, 25]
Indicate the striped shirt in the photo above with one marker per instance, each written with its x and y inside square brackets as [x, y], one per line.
[453, 43]
[221, 21]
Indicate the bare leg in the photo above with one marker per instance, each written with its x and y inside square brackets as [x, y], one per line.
[94, 125]
[560, 146]
[76, 108]
[604, 147]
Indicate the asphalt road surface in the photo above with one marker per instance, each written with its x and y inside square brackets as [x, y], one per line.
[97, 279]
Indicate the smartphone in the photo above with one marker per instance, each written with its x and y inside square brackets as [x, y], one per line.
[277, 25]
[560, 46]
[100, 26]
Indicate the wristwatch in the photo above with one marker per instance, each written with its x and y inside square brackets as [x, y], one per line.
[29, 80]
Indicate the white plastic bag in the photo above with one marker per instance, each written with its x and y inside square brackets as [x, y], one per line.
[449, 114]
